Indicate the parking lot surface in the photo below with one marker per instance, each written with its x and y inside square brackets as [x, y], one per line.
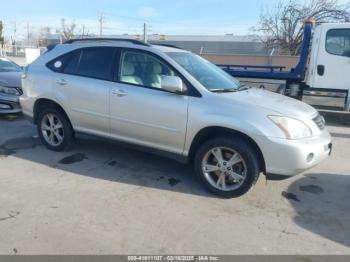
[104, 198]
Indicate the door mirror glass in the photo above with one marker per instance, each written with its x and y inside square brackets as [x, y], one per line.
[172, 84]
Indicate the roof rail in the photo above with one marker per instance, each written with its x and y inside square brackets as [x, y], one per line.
[168, 45]
[134, 41]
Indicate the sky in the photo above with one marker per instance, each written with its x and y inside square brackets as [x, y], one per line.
[180, 17]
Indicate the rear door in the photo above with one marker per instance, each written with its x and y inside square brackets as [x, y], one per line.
[82, 86]
[332, 69]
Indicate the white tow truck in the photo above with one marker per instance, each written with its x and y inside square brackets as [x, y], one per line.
[322, 75]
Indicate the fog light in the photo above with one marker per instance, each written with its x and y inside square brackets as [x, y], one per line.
[310, 157]
[3, 106]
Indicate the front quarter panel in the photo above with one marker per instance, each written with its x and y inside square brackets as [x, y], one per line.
[210, 111]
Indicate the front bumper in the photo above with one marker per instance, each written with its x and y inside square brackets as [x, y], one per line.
[291, 157]
[9, 104]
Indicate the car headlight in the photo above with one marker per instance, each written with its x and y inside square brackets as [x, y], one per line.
[292, 128]
[9, 90]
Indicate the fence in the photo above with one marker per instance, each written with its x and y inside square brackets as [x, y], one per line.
[275, 60]
[16, 50]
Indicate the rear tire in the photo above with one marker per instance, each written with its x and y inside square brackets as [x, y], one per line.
[54, 129]
[234, 174]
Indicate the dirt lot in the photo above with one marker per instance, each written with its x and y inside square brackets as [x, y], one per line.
[103, 198]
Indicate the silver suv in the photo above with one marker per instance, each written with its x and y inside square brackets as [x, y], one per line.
[175, 103]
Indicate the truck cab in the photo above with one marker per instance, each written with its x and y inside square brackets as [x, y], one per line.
[329, 66]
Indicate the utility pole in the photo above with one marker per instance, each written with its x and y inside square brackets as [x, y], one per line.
[83, 34]
[145, 32]
[28, 33]
[15, 32]
[101, 20]
[15, 37]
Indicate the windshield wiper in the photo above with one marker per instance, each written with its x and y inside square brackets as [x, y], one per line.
[227, 90]
[243, 88]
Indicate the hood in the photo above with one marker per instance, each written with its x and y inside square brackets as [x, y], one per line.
[10, 79]
[272, 102]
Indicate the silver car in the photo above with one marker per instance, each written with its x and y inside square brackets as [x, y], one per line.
[175, 103]
[10, 86]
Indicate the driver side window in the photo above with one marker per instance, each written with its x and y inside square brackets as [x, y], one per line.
[338, 42]
[139, 68]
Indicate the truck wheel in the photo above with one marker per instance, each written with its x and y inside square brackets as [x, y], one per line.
[281, 89]
[227, 166]
[55, 130]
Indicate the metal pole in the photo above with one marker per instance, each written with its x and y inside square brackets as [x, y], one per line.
[101, 20]
[145, 33]
[270, 56]
[28, 35]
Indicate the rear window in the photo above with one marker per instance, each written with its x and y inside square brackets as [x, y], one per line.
[90, 62]
[96, 62]
[8, 66]
[67, 63]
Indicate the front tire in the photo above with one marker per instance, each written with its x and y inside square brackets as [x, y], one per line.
[54, 129]
[227, 166]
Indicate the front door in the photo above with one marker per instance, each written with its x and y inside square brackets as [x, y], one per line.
[333, 62]
[140, 111]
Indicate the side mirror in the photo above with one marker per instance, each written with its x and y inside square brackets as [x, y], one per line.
[172, 84]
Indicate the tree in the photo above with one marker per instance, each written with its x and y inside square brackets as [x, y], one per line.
[2, 39]
[68, 31]
[282, 28]
[43, 35]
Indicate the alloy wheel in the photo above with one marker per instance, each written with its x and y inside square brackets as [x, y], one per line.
[52, 129]
[224, 168]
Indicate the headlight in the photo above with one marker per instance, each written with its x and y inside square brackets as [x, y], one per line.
[292, 128]
[9, 91]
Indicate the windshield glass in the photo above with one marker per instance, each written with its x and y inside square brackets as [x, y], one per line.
[209, 75]
[8, 66]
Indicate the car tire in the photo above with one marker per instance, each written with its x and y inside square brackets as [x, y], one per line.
[238, 178]
[54, 129]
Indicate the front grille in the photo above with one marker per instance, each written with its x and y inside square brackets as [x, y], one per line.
[320, 121]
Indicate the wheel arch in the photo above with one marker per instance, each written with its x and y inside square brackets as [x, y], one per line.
[215, 131]
[45, 102]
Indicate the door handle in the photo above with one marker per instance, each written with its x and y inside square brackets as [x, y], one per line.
[62, 82]
[119, 92]
[320, 70]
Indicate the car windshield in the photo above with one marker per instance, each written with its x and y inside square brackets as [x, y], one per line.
[8, 66]
[209, 75]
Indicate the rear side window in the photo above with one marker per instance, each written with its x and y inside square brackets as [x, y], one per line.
[90, 62]
[71, 65]
[338, 42]
[96, 62]
[67, 63]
